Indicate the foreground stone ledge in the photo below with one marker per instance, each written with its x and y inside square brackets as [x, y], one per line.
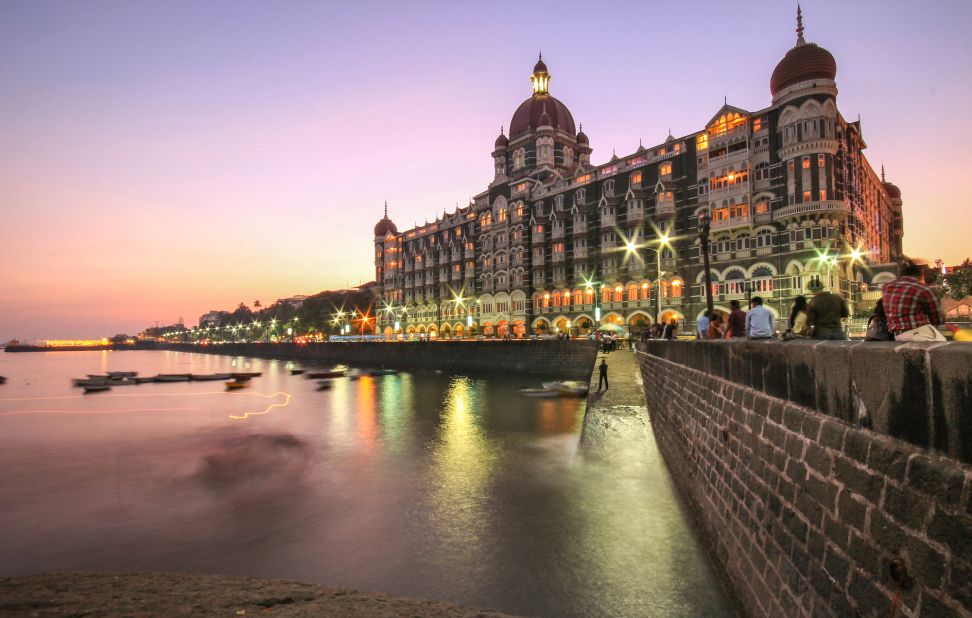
[184, 594]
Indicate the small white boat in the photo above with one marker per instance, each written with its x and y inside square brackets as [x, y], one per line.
[570, 388]
[539, 392]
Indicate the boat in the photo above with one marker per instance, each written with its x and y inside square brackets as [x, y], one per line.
[121, 382]
[570, 388]
[89, 381]
[146, 380]
[96, 388]
[323, 385]
[116, 375]
[172, 377]
[246, 374]
[384, 372]
[208, 377]
[97, 376]
[539, 392]
[317, 375]
[233, 385]
[297, 372]
[3, 380]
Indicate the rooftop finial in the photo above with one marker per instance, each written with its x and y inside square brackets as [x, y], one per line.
[799, 28]
[882, 172]
[541, 55]
[386, 209]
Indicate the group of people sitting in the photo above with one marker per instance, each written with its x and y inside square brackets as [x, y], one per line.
[908, 311]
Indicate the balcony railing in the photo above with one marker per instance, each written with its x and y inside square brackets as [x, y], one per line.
[580, 228]
[834, 206]
[730, 223]
[664, 209]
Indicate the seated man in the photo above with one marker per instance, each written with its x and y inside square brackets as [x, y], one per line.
[759, 321]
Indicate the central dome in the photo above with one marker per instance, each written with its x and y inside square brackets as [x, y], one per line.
[805, 62]
[527, 115]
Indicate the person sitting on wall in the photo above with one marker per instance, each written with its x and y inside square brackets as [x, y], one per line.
[825, 312]
[702, 327]
[759, 321]
[717, 328]
[911, 308]
[737, 320]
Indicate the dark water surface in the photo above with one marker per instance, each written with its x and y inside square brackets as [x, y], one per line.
[445, 487]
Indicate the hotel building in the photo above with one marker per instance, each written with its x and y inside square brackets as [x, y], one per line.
[556, 243]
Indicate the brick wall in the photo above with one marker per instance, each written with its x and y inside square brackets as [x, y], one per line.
[805, 511]
[565, 359]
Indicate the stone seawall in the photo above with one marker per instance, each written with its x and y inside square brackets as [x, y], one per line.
[565, 359]
[806, 509]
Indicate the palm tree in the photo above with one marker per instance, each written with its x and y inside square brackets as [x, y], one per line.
[256, 304]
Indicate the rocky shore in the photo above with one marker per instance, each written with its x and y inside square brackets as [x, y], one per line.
[95, 595]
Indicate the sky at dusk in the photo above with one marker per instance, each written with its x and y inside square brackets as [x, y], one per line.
[161, 159]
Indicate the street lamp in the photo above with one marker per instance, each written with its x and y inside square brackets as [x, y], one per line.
[705, 224]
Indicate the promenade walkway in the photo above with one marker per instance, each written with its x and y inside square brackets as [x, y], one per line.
[618, 449]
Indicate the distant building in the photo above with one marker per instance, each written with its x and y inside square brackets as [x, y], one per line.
[556, 242]
[212, 318]
[294, 301]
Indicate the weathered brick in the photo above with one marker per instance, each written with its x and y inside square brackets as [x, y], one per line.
[836, 532]
[795, 445]
[823, 491]
[832, 434]
[859, 480]
[852, 511]
[810, 509]
[887, 459]
[856, 444]
[865, 555]
[935, 607]
[796, 470]
[837, 566]
[886, 532]
[960, 584]
[870, 599]
[776, 411]
[811, 426]
[939, 479]
[905, 505]
[793, 523]
[954, 531]
[818, 459]
[927, 563]
[793, 418]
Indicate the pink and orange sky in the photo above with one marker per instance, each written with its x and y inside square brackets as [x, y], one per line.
[161, 159]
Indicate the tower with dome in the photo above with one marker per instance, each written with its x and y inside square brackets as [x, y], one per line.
[556, 243]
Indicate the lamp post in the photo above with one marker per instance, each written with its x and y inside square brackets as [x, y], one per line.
[705, 224]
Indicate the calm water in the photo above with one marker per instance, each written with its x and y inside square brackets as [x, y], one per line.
[437, 486]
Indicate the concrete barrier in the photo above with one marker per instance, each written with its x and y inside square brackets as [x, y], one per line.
[827, 478]
[565, 359]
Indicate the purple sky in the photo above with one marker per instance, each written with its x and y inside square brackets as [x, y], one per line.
[161, 159]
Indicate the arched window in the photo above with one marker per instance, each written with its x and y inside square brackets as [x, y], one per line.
[568, 157]
[578, 297]
[645, 291]
[519, 158]
[676, 288]
[605, 294]
[546, 299]
[632, 292]
[618, 293]
[589, 296]
[556, 299]
[567, 298]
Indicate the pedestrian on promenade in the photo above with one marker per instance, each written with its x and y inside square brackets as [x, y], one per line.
[702, 327]
[798, 319]
[603, 377]
[759, 321]
[669, 332]
[825, 312]
[737, 320]
[911, 307]
[717, 327]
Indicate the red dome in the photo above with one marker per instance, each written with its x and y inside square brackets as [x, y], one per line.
[384, 226]
[527, 115]
[501, 141]
[804, 62]
[893, 191]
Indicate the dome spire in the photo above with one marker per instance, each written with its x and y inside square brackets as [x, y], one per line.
[386, 209]
[799, 28]
[882, 172]
[540, 78]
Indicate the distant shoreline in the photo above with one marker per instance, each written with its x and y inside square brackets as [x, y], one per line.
[151, 345]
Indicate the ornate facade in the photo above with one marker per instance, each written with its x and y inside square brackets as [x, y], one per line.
[557, 243]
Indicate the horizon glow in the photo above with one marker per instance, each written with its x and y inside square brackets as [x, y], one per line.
[164, 159]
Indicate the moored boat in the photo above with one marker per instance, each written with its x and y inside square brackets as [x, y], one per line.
[233, 385]
[146, 379]
[172, 377]
[207, 377]
[246, 374]
[3, 380]
[570, 388]
[96, 388]
[384, 372]
[317, 375]
[323, 385]
[121, 382]
[539, 392]
[88, 381]
[297, 372]
[116, 375]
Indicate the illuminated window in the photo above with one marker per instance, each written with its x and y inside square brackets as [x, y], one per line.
[632, 292]
[726, 123]
[546, 299]
[582, 179]
[645, 291]
[806, 196]
[761, 207]
[665, 169]
[806, 163]
[636, 178]
[702, 142]
[678, 148]
[757, 124]
[589, 296]
[823, 195]
[618, 294]
[605, 294]
[820, 160]
[578, 297]
[538, 229]
[501, 215]
[677, 288]
[519, 211]
[558, 247]
[790, 166]
[521, 186]
[661, 151]
[556, 299]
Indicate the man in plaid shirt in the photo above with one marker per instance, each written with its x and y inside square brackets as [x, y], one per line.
[910, 304]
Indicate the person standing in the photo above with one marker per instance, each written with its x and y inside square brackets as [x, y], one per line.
[737, 320]
[911, 308]
[603, 376]
[759, 320]
[825, 312]
[702, 326]
[669, 332]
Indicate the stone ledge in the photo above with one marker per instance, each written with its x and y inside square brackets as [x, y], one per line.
[183, 594]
